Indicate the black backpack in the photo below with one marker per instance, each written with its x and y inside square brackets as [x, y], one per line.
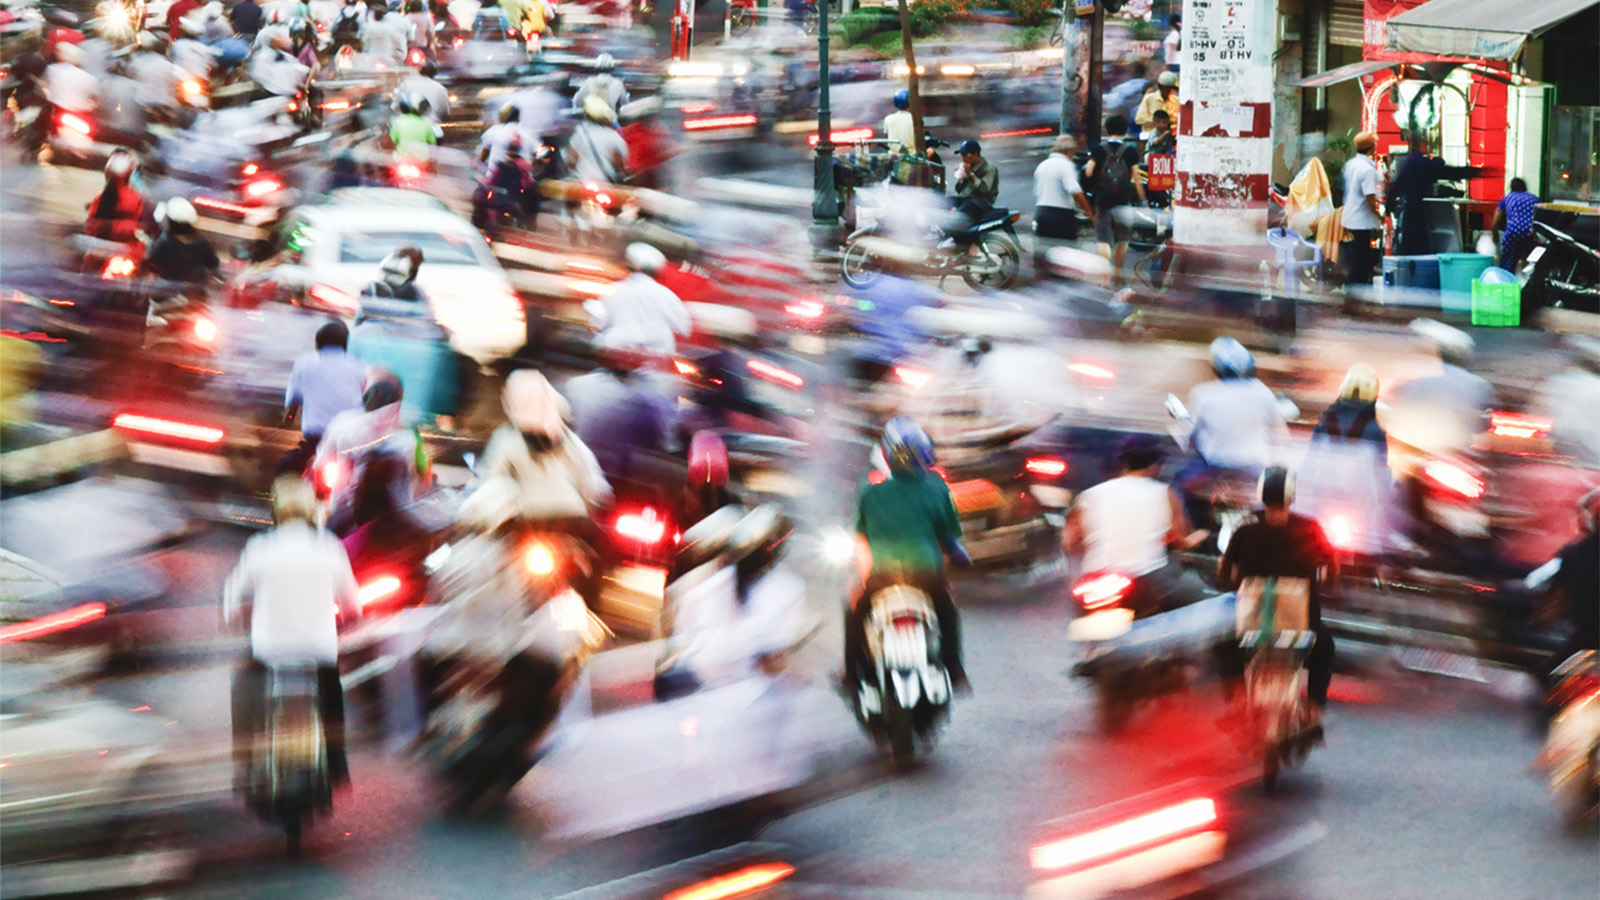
[347, 25]
[1116, 182]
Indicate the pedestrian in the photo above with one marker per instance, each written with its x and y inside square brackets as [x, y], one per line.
[1172, 46]
[1056, 191]
[1162, 143]
[1514, 219]
[324, 382]
[1110, 174]
[1360, 215]
[1414, 183]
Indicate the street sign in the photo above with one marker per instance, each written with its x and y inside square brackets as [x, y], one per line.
[1162, 172]
[1084, 7]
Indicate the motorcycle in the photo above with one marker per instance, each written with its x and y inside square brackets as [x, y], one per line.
[478, 744]
[1280, 717]
[992, 264]
[1131, 658]
[1227, 499]
[911, 697]
[1571, 755]
[290, 782]
[1560, 272]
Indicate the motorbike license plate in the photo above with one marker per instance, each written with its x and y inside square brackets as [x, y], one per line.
[1460, 521]
[1535, 254]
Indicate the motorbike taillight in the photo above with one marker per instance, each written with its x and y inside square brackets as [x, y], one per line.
[1453, 478]
[1574, 688]
[1102, 590]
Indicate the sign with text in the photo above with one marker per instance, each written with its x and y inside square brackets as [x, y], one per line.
[1084, 7]
[1163, 171]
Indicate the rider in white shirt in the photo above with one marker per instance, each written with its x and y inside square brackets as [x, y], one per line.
[642, 313]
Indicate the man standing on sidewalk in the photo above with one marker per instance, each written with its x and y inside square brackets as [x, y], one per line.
[1360, 216]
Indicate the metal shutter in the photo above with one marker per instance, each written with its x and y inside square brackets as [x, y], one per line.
[1345, 18]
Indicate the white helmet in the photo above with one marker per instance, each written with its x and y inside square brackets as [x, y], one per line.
[177, 211]
[605, 62]
[121, 164]
[533, 405]
[645, 258]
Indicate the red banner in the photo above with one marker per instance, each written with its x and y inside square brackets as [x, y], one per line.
[1375, 31]
[1162, 168]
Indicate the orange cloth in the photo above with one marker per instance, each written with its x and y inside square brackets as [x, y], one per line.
[1329, 234]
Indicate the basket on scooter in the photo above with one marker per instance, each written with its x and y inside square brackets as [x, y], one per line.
[401, 336]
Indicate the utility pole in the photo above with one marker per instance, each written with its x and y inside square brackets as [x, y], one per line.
[825, 196]
[1092, 113]
[1071, 73]
[912, 90]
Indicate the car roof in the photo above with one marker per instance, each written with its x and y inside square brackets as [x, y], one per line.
[398, 209]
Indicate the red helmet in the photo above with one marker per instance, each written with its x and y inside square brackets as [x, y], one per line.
[708, 460]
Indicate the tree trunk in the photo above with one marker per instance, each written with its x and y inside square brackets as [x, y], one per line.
[911, 78]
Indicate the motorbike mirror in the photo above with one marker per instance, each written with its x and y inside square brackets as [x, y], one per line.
[1175, 408]
[1287, 408]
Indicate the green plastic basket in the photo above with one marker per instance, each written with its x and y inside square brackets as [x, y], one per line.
[1496, 304]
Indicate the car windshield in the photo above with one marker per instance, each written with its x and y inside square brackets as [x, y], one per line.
[489, 28]
[438, 249]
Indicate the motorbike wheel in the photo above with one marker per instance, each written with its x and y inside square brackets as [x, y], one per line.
[999, 270]
[902, 736]
[857, 266]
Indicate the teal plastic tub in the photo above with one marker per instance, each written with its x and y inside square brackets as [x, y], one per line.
[426, 368]
[1457, 271]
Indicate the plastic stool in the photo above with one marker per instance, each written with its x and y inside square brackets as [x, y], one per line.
[1287, 245]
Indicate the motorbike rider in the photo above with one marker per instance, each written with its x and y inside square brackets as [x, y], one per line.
[708, 478]
[898, 126]
[120, 213]
[622, 417]
[557, 475]
[355, 437]
[422, 26]
[1443, 412]
[602, 84]
[422, 83]
[1346, 468]
[348, 25]
[1126, 525]
[642, 313]
[323, 383]
[1279, 544]
[157, 75]
[1236, 420]
[246, 17]
[744, 616]
[413, 134]
[397, 276]
[67, 85]
[596, 152]
[181, 254]
[303, 44]
[977, 184]
[274, 67]
[483, 599]
[291, 588]
[905, 527]
[1574, 588]
[497, 138]
[382, 38]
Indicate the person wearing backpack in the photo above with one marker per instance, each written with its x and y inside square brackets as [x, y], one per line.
[348, 25]
[1344, 480]
[1110, 173]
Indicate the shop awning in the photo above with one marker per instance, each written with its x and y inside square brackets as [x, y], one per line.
[1476, 28]
[1346, 73]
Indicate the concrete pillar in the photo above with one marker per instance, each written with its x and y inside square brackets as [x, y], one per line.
[1226, 92]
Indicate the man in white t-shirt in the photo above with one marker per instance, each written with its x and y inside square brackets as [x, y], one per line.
[1360, 213]
[1125, 526]
[1056, 190]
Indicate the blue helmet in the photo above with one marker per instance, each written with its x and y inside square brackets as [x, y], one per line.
[1230, 359]
[906, 447]
[902, 99]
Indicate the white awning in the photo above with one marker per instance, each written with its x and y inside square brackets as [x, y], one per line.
[1478, 29]
[1345, 73]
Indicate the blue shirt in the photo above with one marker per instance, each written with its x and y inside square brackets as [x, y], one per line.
[884, 307]
[617, 419]
[325, 383]
[1518, 207]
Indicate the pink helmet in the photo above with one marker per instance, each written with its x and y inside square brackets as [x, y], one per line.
[708, 460]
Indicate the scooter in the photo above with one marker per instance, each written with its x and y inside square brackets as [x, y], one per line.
[1571, 755]
[992, 262]
[290, 781]
[912, 694]
[1561, 272]
[1275, 698]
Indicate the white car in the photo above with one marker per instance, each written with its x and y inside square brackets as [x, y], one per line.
[333, 249]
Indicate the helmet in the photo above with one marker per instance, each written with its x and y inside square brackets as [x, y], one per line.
[121, 164]
[968, 146]
[1139, 451]
[906, 447]
[278, 16]
[509, 113]
[1360, 383]
[178, 211]
[384, 389]
[296, 25]
[902, 99]
[644, 257]
[605, 62]
[293, 498]
[1276, 487]
[1452, 344]
[399, 267]
[1167, 79]
[709, 537]
[494, 503]
[1230, 359]
[428, 69]
[708, 460]
[412, 103]
[533, 406]
[598, 110]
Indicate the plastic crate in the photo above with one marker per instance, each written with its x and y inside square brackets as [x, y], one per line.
[1496, 305]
